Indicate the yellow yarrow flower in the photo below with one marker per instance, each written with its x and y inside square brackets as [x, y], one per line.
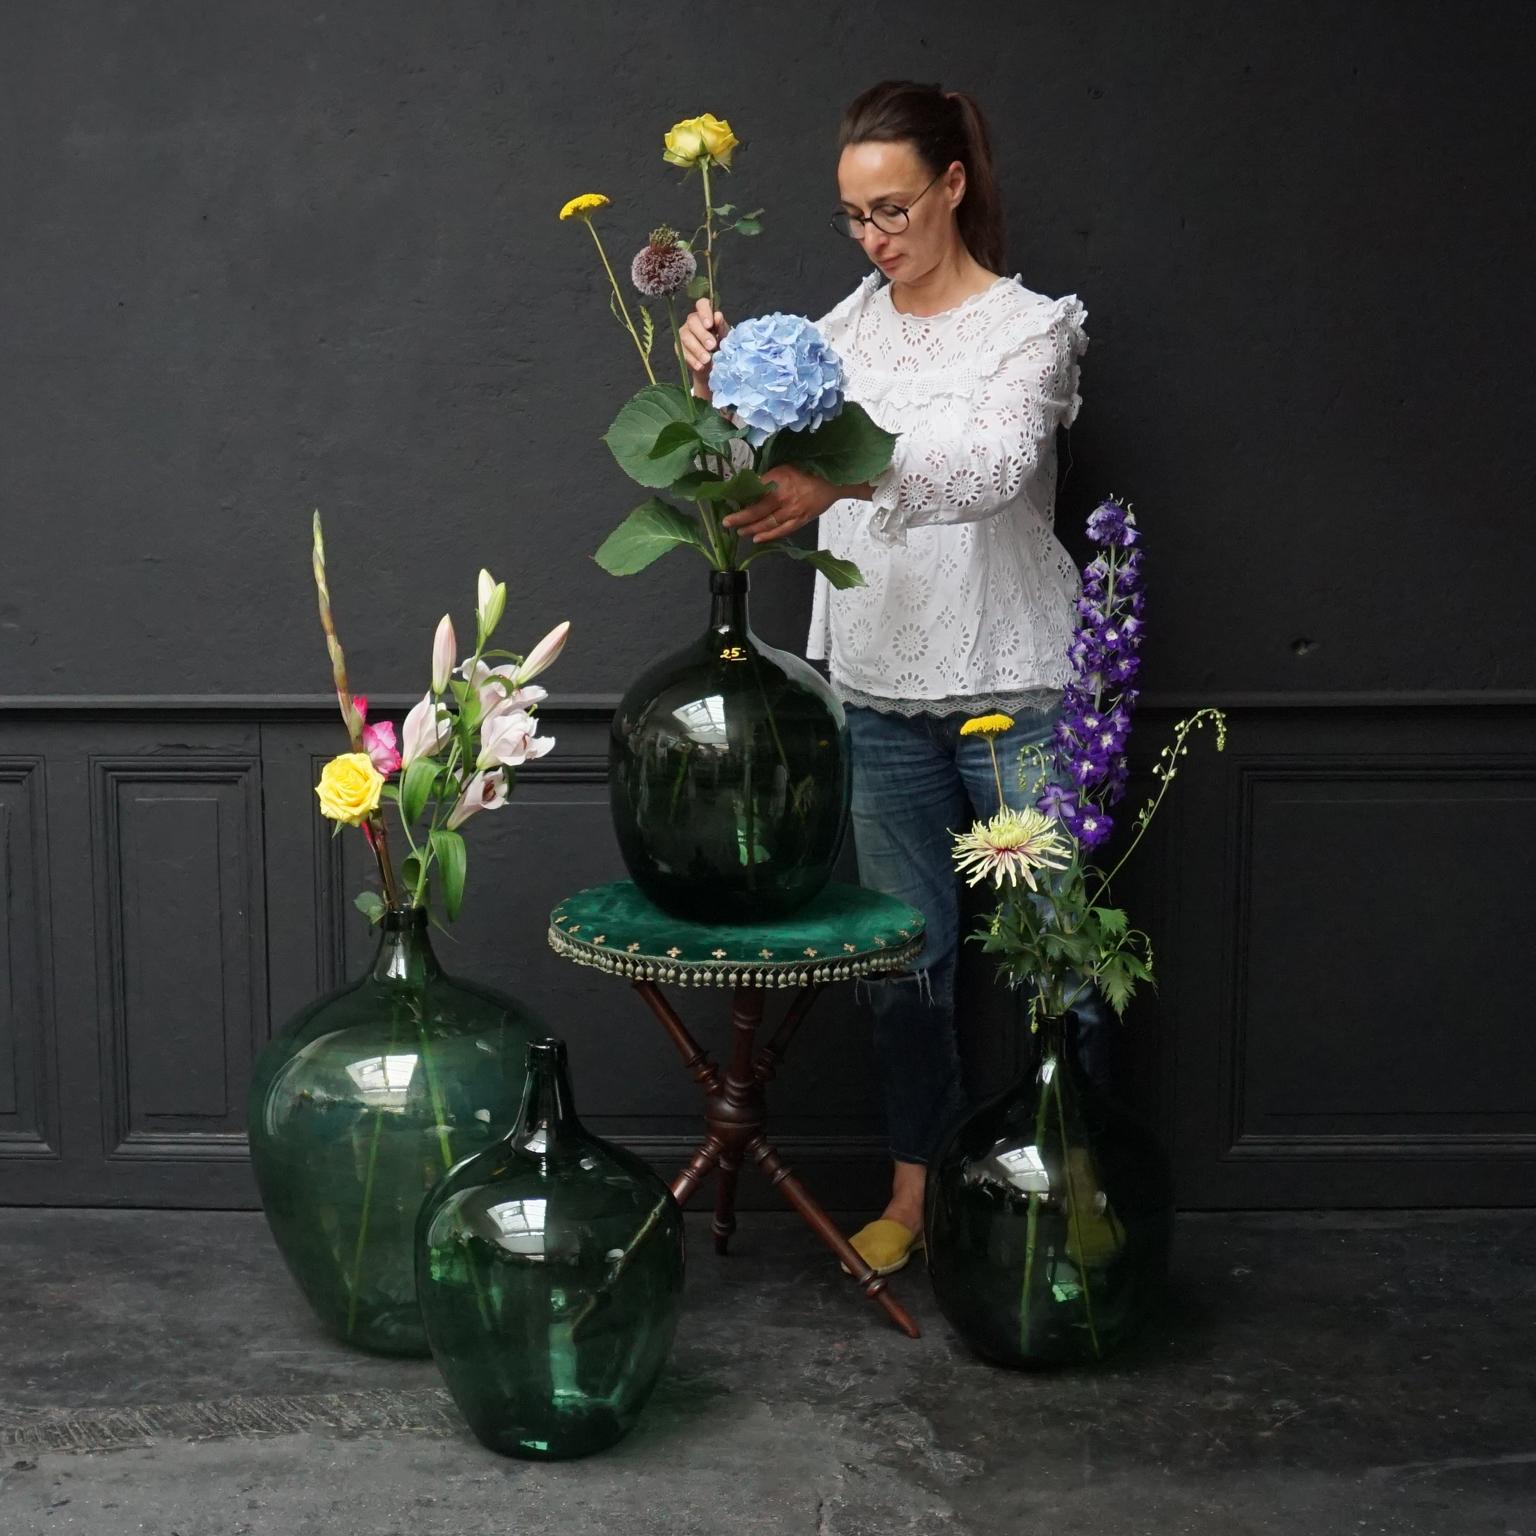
[349, 788]
[987, 725]
[583, 207]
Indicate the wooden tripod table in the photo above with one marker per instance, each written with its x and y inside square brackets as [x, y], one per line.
[845, 933]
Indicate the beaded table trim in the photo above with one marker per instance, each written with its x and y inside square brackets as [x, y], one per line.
[612, 956]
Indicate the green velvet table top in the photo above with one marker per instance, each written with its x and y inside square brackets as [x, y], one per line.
[844, 933]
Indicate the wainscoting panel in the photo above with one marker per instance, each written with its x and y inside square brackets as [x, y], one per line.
[1338, 902]
[28, 1105]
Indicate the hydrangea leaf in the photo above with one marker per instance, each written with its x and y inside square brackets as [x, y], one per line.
[675, 435]
[646, 535]
[744, 487]
[637, 427]
[841, 573]
[370, 904]
[847, 450]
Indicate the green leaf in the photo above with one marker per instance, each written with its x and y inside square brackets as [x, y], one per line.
[452, 862]
[1116, 984]
[725, 210]
[715, 431]
[744, 487]
[1111, 919]
[698, 286]
[636, 428]
[686, 487]
[675, 435]
[416, 787]
[748, 226]
[841, 573]
[410, 870]
[646, 535]
[847, 450]
[371, 905]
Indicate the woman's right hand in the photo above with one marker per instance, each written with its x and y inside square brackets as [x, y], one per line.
[701, 334]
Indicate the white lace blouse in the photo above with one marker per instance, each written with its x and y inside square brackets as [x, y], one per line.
[968, 602]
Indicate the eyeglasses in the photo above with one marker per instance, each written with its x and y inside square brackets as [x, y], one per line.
[888, 218]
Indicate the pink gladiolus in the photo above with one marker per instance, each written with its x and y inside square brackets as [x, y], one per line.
[427, 727]
[360, 704]
[484, 792]
[544, 653]
[445, 646]
[379, 744]
[508, 740]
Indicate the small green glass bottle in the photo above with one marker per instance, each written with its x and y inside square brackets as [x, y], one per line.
[359, 1106]
[550, 1273]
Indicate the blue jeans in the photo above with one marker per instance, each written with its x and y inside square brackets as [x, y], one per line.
[916, 781]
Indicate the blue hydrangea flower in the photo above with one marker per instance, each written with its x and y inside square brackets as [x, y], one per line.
[777, 373]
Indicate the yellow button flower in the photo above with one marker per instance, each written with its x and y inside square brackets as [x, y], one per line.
[349, 788]
[987, 725]
[584, 207]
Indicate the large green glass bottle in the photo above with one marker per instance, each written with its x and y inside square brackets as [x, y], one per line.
[729, 773]
[550, 1270]
[1049, 1217]
[359, 1106]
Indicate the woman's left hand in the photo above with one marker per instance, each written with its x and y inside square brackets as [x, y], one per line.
[794, 499]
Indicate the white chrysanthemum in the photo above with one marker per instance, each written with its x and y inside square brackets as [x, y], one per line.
[1009, 848]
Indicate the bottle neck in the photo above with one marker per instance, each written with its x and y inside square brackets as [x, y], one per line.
[728, 614]
[404, 954]
[548, 1111]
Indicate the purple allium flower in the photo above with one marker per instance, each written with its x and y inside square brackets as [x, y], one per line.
[662, 267]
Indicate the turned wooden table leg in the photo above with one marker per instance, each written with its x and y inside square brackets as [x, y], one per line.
[873, 1285]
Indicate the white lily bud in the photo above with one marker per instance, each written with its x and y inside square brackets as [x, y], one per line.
[445, 647]
[491, 602]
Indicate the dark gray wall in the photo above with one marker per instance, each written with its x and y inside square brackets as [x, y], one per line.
[264, 257]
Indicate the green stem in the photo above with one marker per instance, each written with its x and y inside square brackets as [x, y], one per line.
[709, 238]
[677, 347]
[629, 325]
[365, 1215]
[1032, 1228]
[1077, 1223]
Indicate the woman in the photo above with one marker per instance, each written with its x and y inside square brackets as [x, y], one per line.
[968, 603]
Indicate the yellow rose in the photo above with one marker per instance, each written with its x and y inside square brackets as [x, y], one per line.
[349, 788]
[718, 138]
[685, 143]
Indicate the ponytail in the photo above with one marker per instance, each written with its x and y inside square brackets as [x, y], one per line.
[942, 127]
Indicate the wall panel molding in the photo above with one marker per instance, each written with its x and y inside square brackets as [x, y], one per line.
[28, 1076]
[181, 908]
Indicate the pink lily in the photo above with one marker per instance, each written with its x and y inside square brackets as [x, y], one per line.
[379, 743]
[508, 740]
[499, 697]
[544, 654]
[427, 727]
[484, 792]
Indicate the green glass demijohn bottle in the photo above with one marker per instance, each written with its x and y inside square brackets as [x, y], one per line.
[729, 773]
[550, 1272]
[1049, 1217]
[359, 1106]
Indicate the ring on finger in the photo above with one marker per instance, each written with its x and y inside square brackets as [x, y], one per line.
[773, 522]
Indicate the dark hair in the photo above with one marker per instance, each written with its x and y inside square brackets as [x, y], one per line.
[942, 126]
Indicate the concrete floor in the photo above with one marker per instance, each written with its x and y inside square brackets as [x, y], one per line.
[1317, 1374]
